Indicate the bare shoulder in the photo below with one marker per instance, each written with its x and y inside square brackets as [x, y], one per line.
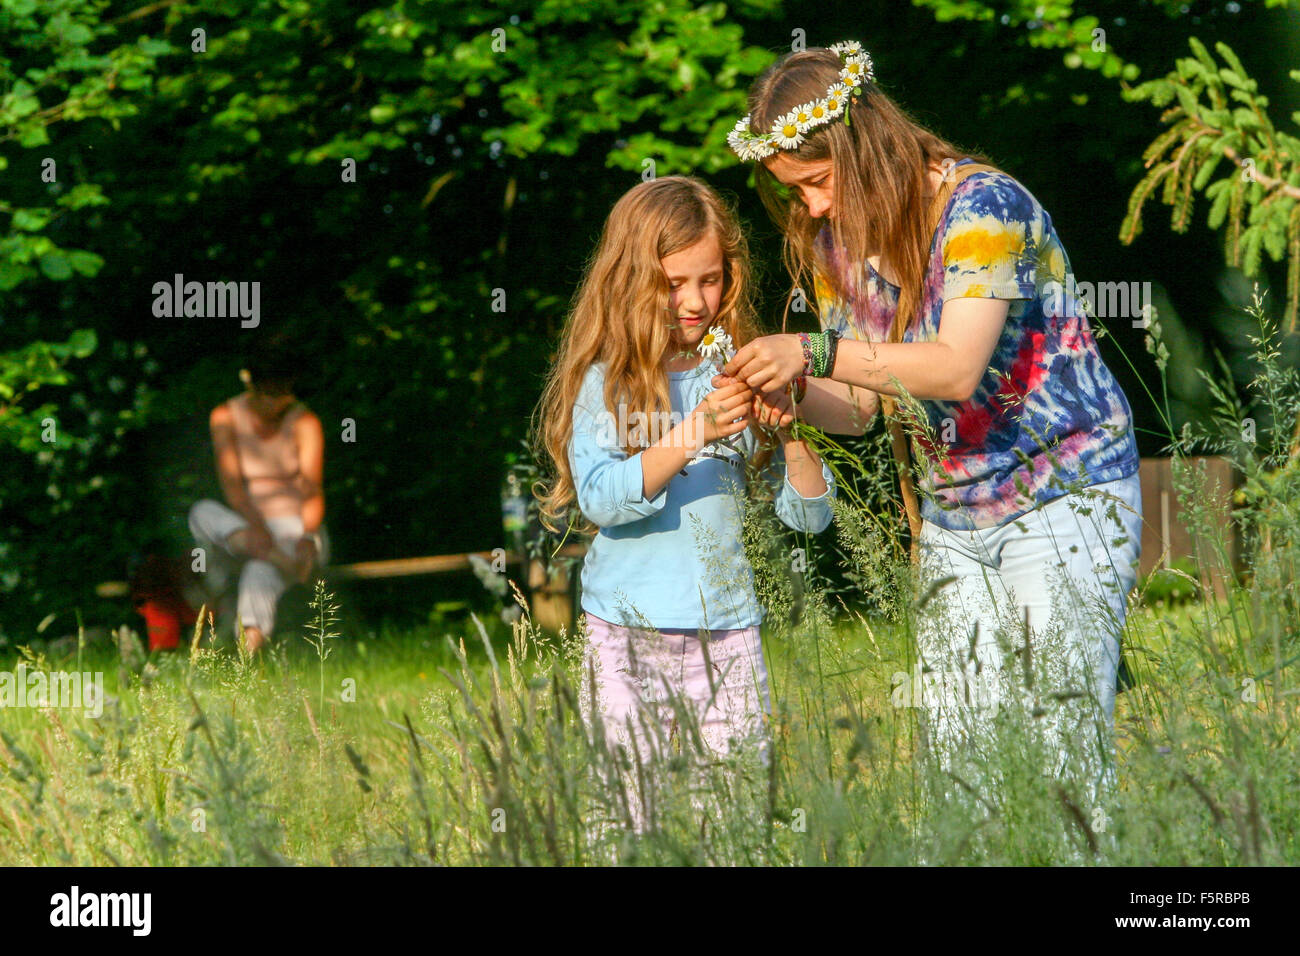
[307, 423]
[221, 417]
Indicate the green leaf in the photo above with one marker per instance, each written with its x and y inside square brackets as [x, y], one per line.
[1187, 101]
[12, 273]
[77, 34]
[1232, 79]
[87, 263]
[31, 220]
[1229, 57]
[34, 135]
[1222, 193]
[55, 265]
[1202, 54]
[82, 342]
[1251, 239]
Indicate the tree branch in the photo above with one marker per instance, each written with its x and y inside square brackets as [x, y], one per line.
[1268, 182]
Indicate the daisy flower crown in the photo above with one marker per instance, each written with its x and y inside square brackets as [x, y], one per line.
[788, 131]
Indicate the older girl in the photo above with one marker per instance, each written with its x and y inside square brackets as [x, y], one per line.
[937, 277]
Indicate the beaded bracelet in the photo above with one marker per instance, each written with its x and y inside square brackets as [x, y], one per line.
[819, 352]
[805, 343]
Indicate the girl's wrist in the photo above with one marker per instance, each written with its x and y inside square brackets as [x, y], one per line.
[790, 442]
[690, 436]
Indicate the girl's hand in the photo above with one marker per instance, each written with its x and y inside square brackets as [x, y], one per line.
[723, 413]
[767, 364]
[773, 409]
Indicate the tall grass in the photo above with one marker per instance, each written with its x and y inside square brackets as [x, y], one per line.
[478, 744]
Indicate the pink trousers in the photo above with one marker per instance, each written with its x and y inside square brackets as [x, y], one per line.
[647, 678]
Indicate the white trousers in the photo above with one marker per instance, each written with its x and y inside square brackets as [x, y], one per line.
[647, 681]
[1065, 570]
[260, 582]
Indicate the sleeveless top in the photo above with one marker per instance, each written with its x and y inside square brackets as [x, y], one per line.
[269, 465]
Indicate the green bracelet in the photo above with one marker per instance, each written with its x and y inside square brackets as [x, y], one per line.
[817, 344]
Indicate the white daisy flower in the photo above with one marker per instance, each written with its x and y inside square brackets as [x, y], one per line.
[857, 70]
[847, 48]
[803, 116]
[716, 345]
[837, 99]
[786, 132]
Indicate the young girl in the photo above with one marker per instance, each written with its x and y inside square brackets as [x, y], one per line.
[945, 286]
[653, 456]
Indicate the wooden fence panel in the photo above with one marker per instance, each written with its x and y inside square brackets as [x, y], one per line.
[1165, 536]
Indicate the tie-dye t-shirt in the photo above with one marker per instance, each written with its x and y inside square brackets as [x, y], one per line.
[1048, 416]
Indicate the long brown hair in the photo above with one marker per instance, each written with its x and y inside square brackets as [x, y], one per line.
[880, 162]
[620, 316]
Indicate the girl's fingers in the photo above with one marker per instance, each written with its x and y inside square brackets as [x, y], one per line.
[739, 360]
[742, 408]
[759, 379]
[751, 366]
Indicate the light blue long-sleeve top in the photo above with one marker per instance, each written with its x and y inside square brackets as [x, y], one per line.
[676, 560]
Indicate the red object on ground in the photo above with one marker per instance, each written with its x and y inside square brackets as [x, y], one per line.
[164, 617]
[156, 593]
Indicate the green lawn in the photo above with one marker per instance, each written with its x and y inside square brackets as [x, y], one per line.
[444, 758]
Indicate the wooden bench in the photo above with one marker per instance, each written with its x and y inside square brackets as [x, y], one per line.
[550, 601]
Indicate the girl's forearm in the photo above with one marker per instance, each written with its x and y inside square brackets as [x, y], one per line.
[837, 407]
[667, 457]
[924, 369]
[803, 467]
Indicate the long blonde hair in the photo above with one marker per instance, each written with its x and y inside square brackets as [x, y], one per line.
[620, 316]
[879, 167]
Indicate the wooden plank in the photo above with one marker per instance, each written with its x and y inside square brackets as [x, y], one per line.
[432, 564]
[403, 567]
[392, 568]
